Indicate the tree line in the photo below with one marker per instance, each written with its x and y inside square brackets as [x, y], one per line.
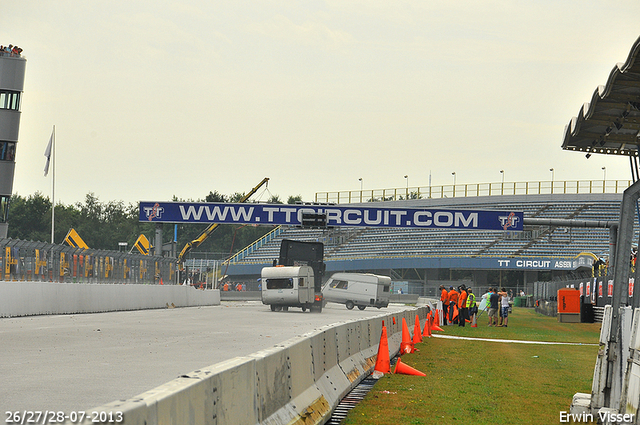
[103, 225]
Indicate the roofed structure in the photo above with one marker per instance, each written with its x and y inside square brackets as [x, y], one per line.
[610, 123]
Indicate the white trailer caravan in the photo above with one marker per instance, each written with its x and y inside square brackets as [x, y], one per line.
[284, 287]
[358, 289]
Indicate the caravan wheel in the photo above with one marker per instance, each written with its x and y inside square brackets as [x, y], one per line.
[349, 305]
[362, 307]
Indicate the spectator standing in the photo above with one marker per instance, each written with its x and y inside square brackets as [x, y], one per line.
[493, 307]
[504, 307]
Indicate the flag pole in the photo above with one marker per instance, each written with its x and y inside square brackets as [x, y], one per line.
[53, 184]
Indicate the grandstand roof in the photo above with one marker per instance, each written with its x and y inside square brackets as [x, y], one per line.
[610, 123]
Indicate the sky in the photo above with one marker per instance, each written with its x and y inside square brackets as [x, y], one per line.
[155, 99]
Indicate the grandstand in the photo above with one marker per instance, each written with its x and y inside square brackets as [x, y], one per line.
[424, 256]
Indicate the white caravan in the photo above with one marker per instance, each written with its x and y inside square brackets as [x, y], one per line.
[284, 287]
[358, 289]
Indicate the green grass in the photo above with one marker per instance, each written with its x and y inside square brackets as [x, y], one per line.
[480, 382]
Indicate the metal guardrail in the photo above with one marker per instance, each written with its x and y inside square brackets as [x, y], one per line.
[240, 255]
[474, 190]
[43, 262]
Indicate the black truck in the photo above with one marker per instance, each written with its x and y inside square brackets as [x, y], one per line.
[299, 253]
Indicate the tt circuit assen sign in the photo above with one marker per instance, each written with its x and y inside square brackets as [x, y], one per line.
[278, 214]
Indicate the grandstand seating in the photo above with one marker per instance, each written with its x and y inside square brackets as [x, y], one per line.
[342, 243]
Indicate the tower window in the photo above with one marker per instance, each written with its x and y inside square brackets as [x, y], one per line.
[10, 100]
[4, 208]
[7, 151]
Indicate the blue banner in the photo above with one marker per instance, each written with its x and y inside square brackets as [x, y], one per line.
[283, 214]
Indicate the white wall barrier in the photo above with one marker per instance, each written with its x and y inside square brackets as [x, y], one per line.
[615, 389]
[33, 298]
[299, 381]
[631, 387]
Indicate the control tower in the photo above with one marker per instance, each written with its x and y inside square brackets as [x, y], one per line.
[12, 68]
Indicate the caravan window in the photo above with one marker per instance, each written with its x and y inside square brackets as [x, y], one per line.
[385, 288]
[283, 283]
[339, 284]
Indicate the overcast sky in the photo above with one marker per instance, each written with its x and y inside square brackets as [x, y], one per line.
[158, 98]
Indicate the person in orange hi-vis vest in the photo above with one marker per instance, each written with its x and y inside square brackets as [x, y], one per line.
[462, 306]
[453, 300]
[444, 297]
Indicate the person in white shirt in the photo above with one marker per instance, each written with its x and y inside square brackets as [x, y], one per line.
[504, 307]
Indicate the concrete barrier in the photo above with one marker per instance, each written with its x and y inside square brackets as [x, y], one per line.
[299, 381]
[220, 394]
[241, 295]
[34, 298]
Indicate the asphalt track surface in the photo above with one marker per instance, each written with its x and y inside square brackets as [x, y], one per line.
[82, 361]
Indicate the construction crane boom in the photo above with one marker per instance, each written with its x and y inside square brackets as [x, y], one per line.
[206, 232]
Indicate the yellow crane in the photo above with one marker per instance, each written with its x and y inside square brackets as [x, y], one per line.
[206, 232]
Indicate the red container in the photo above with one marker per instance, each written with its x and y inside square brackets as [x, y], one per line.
[568, 300]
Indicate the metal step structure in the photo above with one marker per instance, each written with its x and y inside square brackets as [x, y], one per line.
[351, 400]
[598, 312]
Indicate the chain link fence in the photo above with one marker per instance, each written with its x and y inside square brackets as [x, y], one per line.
[44, 262]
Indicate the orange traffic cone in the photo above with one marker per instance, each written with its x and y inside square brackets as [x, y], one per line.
[417, 336]
[427, 329]
[383, 364]
[161, 282]
[406, 369]
[406, 346]
[435, 323]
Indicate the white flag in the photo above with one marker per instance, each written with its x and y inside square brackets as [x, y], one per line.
[47, 154]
